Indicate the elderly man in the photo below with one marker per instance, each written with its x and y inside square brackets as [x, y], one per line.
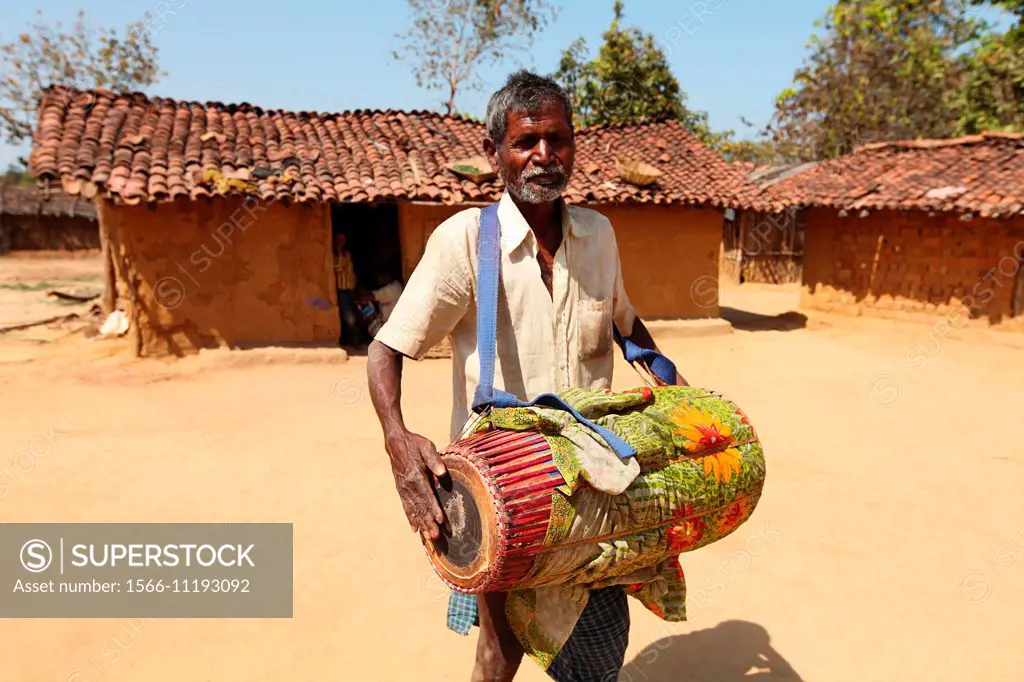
[561, 291]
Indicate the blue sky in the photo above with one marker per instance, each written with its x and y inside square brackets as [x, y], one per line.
[731, 56]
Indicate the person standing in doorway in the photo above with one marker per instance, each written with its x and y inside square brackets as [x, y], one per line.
[345, 276]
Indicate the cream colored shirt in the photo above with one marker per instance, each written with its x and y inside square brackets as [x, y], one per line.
[546, 343]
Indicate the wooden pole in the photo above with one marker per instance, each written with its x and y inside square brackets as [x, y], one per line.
[739, 254]
[109, 302]
[874, 264]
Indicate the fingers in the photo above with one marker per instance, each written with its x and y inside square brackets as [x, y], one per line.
[433, 460]
[430, 510]
[425, 513]
[421, 520]
[418, 499]
[414, 459]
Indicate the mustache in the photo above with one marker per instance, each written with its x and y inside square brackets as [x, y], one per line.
[535, 171]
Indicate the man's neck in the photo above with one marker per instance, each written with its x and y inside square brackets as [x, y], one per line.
[544, 219]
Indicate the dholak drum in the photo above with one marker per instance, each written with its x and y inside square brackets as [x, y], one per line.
[499, 494]
[497, 500]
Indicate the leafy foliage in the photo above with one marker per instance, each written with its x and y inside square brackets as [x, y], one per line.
[46, 55]
[883, 70]
[629, 81]
[761, 152]
[16, 175]
[451, 39]
[992, 94]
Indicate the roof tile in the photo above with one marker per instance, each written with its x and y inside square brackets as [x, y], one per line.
[136, 148]
[979, 173]
[22, 200]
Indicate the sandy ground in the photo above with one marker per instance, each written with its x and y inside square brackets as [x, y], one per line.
[887, 545]
[25, 280]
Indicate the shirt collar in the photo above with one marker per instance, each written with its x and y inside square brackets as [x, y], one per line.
[515, 229]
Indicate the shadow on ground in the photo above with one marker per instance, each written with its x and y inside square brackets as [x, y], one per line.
[756, 322]
[733, 651]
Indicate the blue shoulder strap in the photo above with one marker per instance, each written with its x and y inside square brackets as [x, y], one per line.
[489, 266]
[662, 367]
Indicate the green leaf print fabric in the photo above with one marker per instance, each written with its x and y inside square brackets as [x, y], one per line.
[697, 475]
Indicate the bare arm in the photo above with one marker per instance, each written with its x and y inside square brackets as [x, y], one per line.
[413, 457]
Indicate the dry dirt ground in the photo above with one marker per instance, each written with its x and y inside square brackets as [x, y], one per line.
[25, 280]
[889, 544]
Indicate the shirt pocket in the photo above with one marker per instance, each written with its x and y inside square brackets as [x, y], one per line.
[594, 330]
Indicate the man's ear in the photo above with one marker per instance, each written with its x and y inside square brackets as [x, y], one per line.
[491, 151]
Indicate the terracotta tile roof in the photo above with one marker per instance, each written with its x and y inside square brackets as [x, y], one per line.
[767, 175]
[22, 200]
[982, 174]
[745, 167]
[692, 172]
[136, 148]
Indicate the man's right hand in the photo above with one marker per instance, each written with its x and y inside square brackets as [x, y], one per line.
[413, 459]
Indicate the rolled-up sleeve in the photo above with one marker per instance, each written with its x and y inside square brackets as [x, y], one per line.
[623, 313]
[437, 294]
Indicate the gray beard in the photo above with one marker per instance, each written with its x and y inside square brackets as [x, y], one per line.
[533, 193]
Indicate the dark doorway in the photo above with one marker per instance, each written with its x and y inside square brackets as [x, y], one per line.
[371, 237]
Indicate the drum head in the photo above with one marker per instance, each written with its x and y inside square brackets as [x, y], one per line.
[465, 552]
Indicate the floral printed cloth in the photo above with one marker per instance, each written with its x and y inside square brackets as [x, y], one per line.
[696, 477]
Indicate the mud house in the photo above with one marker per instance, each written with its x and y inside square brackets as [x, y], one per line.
[33, 219]
[216, 220]
[916, 229]
[765, 245]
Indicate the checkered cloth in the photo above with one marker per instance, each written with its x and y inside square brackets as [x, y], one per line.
[462, 612]
[596, 649]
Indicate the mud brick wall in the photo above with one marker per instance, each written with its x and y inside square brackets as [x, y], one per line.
[669, 254]
[416, 222]
[912, 265]
[669, 258]
[48, 233]
[223, 273]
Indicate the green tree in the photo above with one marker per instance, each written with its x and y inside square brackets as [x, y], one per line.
[629, 80]
[761, 150]
[16, 175]
[992, 94]
[882, 70]
[46, 55]
[450, 40]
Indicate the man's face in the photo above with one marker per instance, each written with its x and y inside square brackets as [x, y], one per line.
[339, 242]
[536, 157]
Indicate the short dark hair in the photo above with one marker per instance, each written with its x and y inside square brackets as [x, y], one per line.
[524, 92]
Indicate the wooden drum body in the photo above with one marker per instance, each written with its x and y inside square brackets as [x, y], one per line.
[511, 524]
[498, 504]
